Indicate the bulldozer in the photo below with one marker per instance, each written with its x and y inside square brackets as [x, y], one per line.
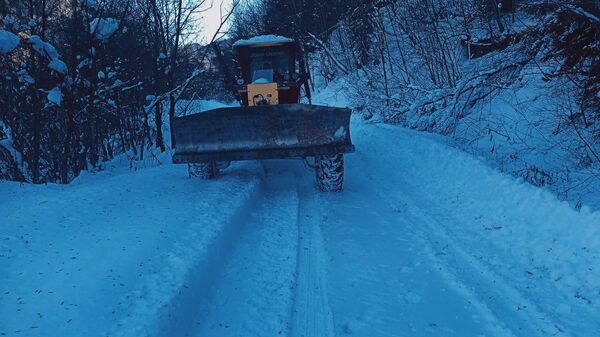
[270, 122]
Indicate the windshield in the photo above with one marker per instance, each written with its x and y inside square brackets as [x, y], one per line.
[269, 66]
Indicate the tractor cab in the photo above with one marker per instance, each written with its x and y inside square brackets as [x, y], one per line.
[268, 71]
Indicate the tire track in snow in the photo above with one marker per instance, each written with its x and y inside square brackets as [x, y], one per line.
[383, 284]
[253, 295]
[471, 276]
[312, 315]
[165, 302]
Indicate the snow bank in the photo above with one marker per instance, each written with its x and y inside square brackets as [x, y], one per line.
[104, 28]
[8, 41]
[184, 273]
[262, 39]
[523, 132]
[111, 250]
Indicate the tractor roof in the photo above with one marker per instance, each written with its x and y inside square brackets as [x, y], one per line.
[263, 41]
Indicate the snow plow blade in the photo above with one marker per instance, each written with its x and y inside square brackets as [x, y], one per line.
[261, 132]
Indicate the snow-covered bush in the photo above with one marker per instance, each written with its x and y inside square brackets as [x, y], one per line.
[73, 81]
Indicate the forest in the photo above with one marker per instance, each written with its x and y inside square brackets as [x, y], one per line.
[516, 81]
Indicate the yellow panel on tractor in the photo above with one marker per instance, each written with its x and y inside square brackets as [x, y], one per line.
[262, 94]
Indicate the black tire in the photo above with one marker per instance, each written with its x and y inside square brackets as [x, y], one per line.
[330, 172]
[203, 170]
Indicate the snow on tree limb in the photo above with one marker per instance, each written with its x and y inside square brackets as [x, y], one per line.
[47, 51]
[8, 42]
[102, 29]
[177, 91]
[582, 12]
[92, 4]
[58, 66]
[42, 47]
[55, 96]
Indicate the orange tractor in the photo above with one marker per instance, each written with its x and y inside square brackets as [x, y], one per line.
[270, 123]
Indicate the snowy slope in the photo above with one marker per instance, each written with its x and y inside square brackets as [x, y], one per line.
[525, 131]
[426, 240]
[73, 257]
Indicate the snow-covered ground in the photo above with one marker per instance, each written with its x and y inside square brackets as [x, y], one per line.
[111, 252]
[426, 240]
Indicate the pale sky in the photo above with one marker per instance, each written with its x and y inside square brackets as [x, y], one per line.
[211, 19]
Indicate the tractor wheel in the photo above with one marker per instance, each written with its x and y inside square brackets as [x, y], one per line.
[203, 170]
[330, 172]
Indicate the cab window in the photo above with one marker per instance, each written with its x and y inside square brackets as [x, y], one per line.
[274, 63]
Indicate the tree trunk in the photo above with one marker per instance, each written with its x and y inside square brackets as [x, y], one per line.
[159, 134]
[496, 12]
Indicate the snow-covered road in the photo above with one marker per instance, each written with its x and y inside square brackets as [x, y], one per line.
[448, 246]
[424, 241]
[414, 246]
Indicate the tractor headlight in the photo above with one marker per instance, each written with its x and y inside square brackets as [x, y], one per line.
[240, 81]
